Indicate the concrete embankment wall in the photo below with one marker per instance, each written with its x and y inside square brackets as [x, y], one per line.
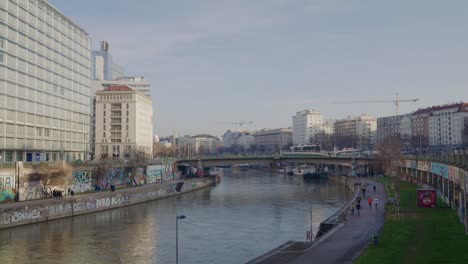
[24, 213]
[339, 217]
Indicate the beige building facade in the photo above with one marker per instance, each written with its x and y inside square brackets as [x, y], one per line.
[274, 139]
[124, 123]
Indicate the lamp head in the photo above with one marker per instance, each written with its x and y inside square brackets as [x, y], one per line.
[181, 217]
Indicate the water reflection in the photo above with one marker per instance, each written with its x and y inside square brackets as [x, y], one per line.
[246, 215]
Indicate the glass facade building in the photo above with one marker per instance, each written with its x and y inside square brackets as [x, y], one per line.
[45, 93]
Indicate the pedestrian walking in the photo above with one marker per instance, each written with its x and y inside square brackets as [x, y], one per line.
[375, 189]
[369, 201]
[376, 202]
[352, 209]
[359, 199]
[364, 190]
[358, 207]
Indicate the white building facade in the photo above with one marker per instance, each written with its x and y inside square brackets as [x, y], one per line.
[124, 123]
[448, 127]
[306, 125]
[45, 95]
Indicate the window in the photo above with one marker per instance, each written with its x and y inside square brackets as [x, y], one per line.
[2, 57]
[46, 132]
[2, 43]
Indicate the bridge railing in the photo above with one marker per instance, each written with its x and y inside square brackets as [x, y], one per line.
[460, 160]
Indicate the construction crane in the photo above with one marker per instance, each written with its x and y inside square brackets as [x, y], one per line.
[240, 123]
[396, 102]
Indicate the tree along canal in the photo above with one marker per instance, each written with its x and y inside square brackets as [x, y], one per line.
[246, 215]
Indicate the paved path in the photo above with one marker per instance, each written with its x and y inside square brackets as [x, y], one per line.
[347, 243]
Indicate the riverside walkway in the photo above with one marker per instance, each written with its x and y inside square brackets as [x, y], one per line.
[344, 244]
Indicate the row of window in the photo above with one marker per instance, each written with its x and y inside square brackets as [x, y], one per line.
[55, 73]
[51, 22]
[19, 143]
[59, 123]
[22, 131]
[38, 43]
[48, 110]
[110, 97]
[18, 83]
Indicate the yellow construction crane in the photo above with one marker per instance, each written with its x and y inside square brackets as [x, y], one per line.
[396, 102]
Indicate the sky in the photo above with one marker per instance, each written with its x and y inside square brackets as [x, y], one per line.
[212, 63]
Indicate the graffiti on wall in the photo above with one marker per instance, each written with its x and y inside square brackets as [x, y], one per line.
[116, 176]
[424, 165]
[140, 176]
[21, 216]
[439, 169]
[7, 187]
[82, 181]
[155, 173]
[454, 174]
[31, 191]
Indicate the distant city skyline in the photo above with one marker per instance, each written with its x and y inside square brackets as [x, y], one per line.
[230, 61]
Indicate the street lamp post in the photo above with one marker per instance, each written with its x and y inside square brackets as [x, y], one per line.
[177, 236]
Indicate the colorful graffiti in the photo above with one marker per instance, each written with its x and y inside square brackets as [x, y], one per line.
[453, 173]
[82, 181]
[116, 176]
[439, 169]
[7, 188]
[155, 173]
[140, 176]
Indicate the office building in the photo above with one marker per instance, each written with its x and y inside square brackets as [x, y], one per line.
[103, 66]
[45, 95]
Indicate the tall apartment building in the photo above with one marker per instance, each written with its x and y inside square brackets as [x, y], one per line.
[306, 125]
[124, 123]
[45, 96]
[135, 82]
[420, 128]
[388, 127]
[103, 66]
[395, 127]
[448, 126]
[273, 139]
[356, 132]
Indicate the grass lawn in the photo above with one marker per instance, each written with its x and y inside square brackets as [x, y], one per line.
[422, 235]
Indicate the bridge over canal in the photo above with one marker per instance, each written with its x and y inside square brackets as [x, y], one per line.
[340, 165]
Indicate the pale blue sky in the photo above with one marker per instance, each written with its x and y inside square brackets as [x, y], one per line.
[212, 61]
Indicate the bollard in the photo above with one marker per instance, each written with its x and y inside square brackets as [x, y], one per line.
[375, 239]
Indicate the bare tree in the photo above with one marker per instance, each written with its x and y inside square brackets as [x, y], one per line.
[102, 171]
[389, 156]
[54, 176]
[138, 159]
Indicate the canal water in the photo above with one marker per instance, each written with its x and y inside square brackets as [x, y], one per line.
[246, 215]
